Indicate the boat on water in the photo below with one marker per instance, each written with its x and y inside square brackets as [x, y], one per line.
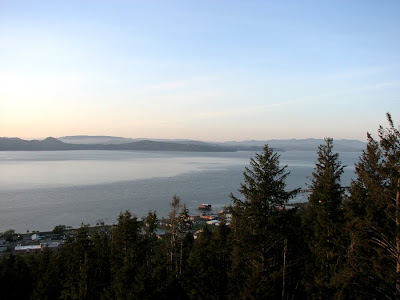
[204, 206]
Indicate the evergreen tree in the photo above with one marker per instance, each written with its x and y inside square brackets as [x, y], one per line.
[372, 268]
[209, 263]
[146, 283]
[323, 221]
[125, 256]
[100, 279]
[47, 282]
[201, 270]
[15, 278]
[77, 266]
[257, 237]
[221, 247]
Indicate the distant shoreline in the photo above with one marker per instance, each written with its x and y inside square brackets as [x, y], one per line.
[117, 143]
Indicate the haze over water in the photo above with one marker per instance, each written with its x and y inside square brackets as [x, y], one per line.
[39, 190]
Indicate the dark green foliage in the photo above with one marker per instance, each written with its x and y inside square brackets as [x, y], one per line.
[208, 264]
[258, 236]
[59, 229]
[372, 268]
[201, 272]
[8, 235]
[101, 260]
[323, 222]
[79, 262]
[16, 278]
[221, 246]
[45, 270]
[125, 255]
[264, 187]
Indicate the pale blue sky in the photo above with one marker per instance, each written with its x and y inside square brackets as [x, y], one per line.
[209, 70]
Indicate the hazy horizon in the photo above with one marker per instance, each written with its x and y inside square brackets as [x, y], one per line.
[189, 139]
[209, 70]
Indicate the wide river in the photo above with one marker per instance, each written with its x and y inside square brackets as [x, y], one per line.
[39, 190]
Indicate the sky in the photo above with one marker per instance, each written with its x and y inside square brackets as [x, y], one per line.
[205, 70]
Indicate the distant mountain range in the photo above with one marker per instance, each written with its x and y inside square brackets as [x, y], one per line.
[84, 142]
[52, 144]
[302, 144]
[278, 145]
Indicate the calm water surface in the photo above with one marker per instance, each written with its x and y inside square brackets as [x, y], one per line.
[39, 190]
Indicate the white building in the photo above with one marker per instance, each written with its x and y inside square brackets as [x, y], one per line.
[36, 237]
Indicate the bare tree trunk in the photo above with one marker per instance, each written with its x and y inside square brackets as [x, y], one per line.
[284, 270]
[397, 236]
[171, 250]
[180, 259]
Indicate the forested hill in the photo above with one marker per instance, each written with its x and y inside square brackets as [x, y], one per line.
[52, 144]
[119, 143]
[300, 144]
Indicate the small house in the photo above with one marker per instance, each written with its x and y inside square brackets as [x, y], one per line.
[36, 237]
